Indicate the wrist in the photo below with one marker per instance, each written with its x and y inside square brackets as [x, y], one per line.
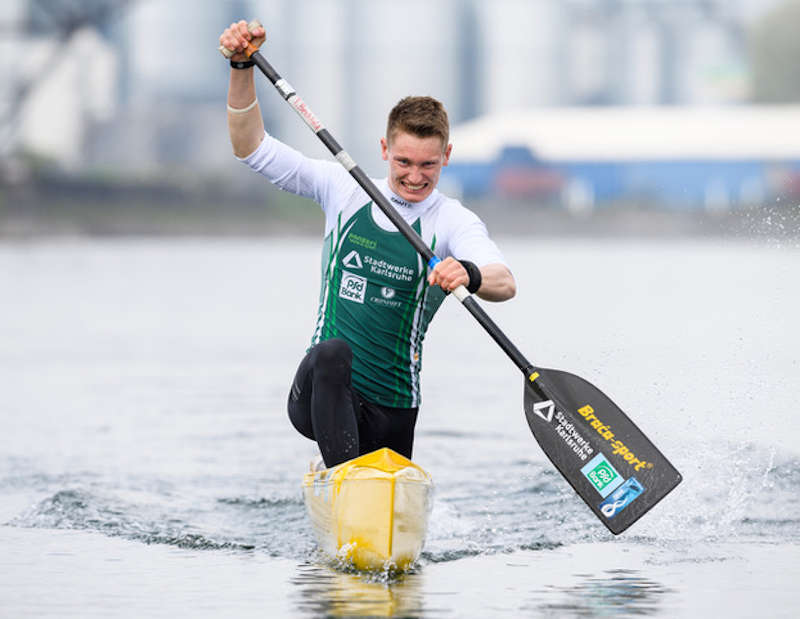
[242, 64]
[474, 274]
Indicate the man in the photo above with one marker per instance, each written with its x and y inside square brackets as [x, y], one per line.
[357, 389]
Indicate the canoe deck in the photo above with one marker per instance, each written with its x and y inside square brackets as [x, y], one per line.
[372, 510]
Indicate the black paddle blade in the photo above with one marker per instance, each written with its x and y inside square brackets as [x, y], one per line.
[607, 460]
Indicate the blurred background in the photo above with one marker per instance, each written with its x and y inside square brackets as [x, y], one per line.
[633, 117]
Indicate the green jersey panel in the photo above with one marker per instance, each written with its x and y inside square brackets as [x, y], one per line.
[375, 295]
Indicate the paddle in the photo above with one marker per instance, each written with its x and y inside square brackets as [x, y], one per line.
[607, 460]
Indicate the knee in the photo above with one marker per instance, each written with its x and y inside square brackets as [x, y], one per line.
[333, 360]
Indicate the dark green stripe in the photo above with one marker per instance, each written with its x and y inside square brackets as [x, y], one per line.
[330, 318]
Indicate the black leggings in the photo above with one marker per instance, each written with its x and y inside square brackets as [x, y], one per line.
[324, 407]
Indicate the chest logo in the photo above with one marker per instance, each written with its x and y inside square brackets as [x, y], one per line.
[352, 260]
[387, 292]
[353, 287]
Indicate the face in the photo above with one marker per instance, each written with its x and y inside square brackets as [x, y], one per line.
[414, 164]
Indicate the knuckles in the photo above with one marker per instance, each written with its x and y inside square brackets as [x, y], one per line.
[236, 36]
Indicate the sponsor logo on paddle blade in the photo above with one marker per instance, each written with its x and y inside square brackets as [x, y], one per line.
[602, 475]
[545, 410]
[621, 498]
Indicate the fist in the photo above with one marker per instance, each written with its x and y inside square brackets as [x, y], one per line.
[449, 274]
[236, 37]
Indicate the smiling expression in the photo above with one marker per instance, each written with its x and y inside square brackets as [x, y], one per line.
[414, 164]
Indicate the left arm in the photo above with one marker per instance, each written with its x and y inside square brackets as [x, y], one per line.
[497, 282]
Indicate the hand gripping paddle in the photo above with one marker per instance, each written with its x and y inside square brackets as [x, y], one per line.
[606, 459]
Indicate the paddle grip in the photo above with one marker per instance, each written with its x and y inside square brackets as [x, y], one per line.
[252, 46]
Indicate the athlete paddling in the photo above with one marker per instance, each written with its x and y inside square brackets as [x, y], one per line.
[357, 388]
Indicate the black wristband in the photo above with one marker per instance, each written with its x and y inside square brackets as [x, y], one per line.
[474, 273]
[242, 64]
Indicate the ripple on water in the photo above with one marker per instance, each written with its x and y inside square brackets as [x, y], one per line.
[80, 509]
[528, 507]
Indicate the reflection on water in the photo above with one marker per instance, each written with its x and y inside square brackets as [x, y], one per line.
[323, 591]
[622, 592]
[326, 592]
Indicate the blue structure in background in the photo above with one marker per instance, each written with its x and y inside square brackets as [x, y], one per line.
[690, 183]
[683, 176]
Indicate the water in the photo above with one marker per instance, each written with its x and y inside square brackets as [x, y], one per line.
[147, 466]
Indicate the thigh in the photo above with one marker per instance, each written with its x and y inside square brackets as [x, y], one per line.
[326, 367]
[384, 426]
[299, 401]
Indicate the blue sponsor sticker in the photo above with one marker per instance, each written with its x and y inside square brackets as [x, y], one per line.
[621, 498]
[603, 477]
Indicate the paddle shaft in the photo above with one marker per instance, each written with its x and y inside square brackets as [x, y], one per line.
[299, 106]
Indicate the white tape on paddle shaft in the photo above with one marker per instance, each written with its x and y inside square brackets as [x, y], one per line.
[461, 293]
[285, 88]
[345, 159]
[305, 113]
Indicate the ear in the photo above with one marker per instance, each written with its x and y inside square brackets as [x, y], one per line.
[447, 152]
[384, 149]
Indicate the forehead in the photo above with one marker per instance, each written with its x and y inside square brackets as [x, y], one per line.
[409, 145]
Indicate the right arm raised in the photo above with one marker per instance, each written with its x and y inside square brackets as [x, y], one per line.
[288, 169]
[246, 129]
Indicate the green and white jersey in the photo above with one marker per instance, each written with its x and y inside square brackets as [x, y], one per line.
[374, 290]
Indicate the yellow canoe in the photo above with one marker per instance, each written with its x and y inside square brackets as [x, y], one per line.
[372, 510]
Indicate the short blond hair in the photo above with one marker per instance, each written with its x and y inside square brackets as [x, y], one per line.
[420, 116]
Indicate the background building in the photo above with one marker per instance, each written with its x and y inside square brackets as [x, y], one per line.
[137, 88]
